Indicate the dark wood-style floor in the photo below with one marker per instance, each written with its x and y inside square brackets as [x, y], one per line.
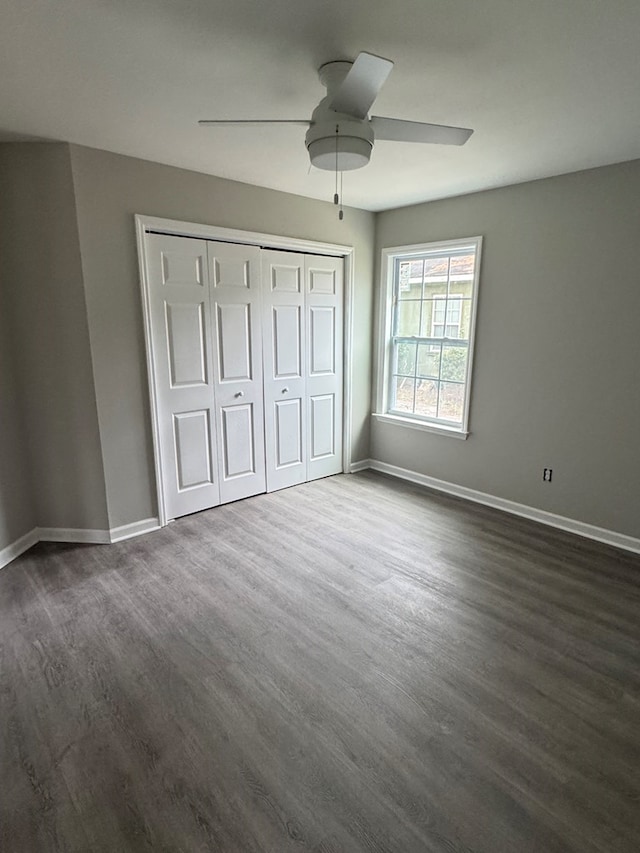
[349, 665]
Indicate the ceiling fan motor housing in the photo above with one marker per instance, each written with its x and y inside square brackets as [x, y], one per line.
[338, 142]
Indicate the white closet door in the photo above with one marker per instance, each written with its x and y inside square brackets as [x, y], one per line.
[237, 330]
[283, 276]
[182, 357]
[324, 300]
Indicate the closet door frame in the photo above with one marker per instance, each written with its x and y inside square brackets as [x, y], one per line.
[153, 225]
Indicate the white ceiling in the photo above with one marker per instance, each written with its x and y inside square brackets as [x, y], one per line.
[550, 86]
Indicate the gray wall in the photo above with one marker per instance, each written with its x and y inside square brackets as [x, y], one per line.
[110, 189]
[17, 515]
[556, 378]
[45, 308]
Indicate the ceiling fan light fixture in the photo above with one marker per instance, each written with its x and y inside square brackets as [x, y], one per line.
[352, 153]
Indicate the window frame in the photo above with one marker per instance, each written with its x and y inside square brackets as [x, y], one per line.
[390, 256]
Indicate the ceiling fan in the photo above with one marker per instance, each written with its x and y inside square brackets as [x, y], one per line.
[340, 134]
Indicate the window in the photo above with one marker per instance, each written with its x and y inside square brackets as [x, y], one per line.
[427, 326]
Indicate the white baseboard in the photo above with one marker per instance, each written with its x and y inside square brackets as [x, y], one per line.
[80, 535]
[362, 465]
[84, 536]
[589, 531]
[136, 528]
[10, 552]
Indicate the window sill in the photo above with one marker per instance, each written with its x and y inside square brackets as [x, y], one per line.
[413, 423]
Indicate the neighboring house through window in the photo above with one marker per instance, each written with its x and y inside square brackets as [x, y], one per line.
[446, 309]
[427, 325]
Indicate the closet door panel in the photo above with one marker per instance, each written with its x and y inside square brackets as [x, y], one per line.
[324, 380]
[185, 329]
[237, 329]
[233, 324]
[323, 432]
[182, 352]
[288, 439]
[284, 368]
[191, 432]
[238, 441]
[322, 343]
[287, 342]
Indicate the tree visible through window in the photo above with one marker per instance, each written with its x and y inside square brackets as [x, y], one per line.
[433, 293]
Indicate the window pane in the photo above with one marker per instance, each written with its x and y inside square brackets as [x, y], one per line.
[458, 318]
[454, 363]
[433, 316]
[436, 266]
[454, 310]
[408, 319]
[427, 398]
[438, 310]
[404, 269]
[463, 266]
[429, 360]
[461, 287]
[403, 390]
[451, 402]
[410, 280]
[405, 359]
[434, 287]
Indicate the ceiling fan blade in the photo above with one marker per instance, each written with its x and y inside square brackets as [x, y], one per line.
[248, 122]
[361, 86]
[398, 130]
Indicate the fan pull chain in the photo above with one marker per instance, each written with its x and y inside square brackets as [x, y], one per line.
[336, 198]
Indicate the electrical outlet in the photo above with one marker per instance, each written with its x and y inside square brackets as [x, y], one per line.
[547, 475]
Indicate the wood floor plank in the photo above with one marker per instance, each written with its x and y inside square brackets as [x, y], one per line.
[354, 664]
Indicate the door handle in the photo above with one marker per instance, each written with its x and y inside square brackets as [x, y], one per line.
[285, 390]
[239, 394]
